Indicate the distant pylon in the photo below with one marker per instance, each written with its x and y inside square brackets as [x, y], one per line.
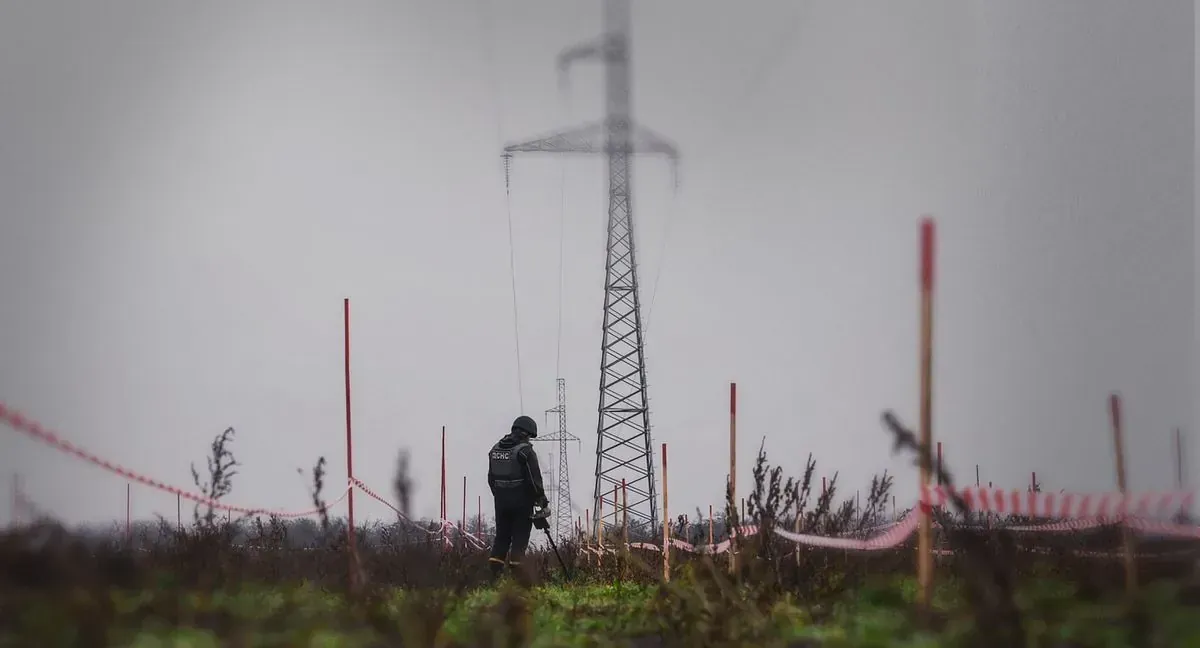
[562, 488]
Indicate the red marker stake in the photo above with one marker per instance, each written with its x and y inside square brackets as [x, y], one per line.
[1114, 405]
[349, 443]
[925, 535]
[733, 470]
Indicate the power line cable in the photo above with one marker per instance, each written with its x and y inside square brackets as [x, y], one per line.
[662, 259]
[775, 54]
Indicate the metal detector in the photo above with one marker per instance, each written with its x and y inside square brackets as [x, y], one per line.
[540, 521]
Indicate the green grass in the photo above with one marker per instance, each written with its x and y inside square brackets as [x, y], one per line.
[580, 615]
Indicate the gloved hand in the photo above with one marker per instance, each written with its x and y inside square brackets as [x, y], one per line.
[541, 517]
[541, 502]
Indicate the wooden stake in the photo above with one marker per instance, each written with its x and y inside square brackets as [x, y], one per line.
[666, 548]
[925, 535]
[1114, 404]
[1184, 513]
[989, 513]
[18, 502]
[616, 504]
[442, 508]
[938, 474]
[625, 512]
[797, 531]
[350, 539]
[710, 527]
[622, 550]
[1179, 458]
[600, 531]
[732, 531]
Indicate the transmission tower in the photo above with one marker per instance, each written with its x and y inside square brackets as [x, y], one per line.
[623, 445]
[562, 481]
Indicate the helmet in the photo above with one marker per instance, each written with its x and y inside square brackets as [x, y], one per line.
[525, 425]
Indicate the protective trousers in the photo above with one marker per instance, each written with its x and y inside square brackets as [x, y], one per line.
[514, 523]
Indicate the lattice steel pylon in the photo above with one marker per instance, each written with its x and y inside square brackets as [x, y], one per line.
[624, 451]
[562, 480]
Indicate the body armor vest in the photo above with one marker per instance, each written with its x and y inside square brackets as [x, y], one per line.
[504, 466]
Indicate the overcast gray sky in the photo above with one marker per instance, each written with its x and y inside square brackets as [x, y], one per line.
[188, 192]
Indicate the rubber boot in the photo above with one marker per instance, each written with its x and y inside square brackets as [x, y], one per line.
[497, 567]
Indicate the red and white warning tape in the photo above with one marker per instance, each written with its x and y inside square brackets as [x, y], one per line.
[1072, 506]
[445, 527]
[1082, 510]
[20, 423]
[1076, 511]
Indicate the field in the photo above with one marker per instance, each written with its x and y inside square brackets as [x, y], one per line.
[557, 615]
[275, 583]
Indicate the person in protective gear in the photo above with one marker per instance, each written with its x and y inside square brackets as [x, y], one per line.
[515, 480]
